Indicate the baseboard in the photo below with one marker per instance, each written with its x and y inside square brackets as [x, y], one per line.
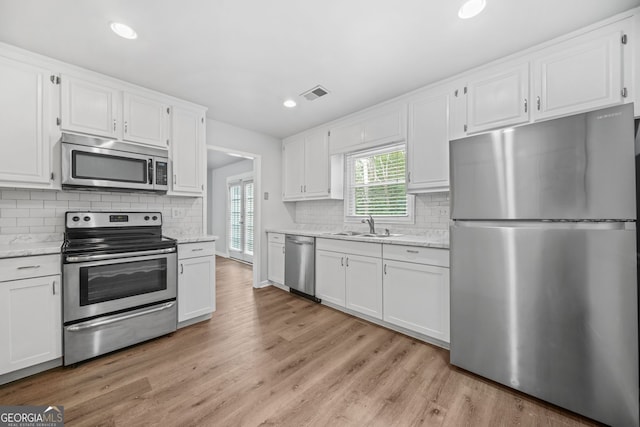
[194, 320]
[222, 254]
[31, 370]
[263, 284]
[279, 286]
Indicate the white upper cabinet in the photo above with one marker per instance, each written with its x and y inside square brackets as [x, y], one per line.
[306, 168]
[375, 127]
[316, 164]
[579, 75]
[90, 107]
[458, 112]
[498, 97]
[26, 122]
[145, 120]
[428, 143]
[187, 151]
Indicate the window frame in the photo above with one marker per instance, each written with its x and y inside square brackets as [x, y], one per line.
[349, 184]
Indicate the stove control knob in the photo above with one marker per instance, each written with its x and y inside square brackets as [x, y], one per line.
[75, 219]
[87, 218]
[146, 218]
[154, 218]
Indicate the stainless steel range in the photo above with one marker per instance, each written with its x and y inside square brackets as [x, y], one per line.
[119, 282]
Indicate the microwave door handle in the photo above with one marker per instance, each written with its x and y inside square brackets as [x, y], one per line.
[151, 171]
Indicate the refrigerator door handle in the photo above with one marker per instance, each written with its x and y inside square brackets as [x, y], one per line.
[551, 225]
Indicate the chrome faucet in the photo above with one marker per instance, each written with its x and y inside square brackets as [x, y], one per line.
[372, 226]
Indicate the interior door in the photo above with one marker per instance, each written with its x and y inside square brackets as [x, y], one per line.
[240, 219]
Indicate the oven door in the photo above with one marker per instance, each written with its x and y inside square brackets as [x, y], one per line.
[98, 287]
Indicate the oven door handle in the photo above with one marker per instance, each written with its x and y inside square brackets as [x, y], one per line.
[117, 318]
[84, 258]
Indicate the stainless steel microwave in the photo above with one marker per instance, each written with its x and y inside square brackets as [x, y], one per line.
[90, 163]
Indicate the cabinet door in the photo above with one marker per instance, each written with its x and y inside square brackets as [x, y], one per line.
[345, 136]
[89, 107]
[187, 133]
[386, 126]
[330, 277]
[458, 112]
[293, 168]
[31, 328]
[364, 285]
[416, 297]
[498, 99]
[196, 287]
[276, 262]
[25, 102]
[578, 76]
[316, 164]
[145, 120]
[428, 144]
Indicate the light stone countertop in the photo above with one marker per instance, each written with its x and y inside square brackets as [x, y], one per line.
[192, 238]
[434, 240]
[12, 250]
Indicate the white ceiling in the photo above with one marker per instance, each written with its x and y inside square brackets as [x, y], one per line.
[242, 58]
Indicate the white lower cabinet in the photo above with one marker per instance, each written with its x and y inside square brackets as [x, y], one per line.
[196, 280]
[30, 312]
[416, 290]
[276, 258]
[350, 279]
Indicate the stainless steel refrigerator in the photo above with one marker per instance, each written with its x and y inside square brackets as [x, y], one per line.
[544, 270]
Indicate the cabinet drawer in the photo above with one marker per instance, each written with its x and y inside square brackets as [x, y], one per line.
[276, 238]
[355, 248]
[192, 250]
[29, 266]
[416, 254]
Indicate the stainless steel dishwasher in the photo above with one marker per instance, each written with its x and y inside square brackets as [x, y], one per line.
[300, 265]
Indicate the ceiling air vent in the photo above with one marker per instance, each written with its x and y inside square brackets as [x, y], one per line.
[314, 93]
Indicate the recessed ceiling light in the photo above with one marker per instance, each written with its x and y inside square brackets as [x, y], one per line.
[471, 8]
[124, 30]
[289, 103]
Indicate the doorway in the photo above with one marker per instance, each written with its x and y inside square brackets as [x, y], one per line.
[240, 217]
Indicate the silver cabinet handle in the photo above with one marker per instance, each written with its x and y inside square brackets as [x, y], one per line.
[305, 188]
[53, 285]
[114, 125]
[538, 102]
[412, 251]
[125, 127]
[409, 177]
[27, 267]
[197, 250]
[526, 105]
[283, 249]
[117, 318]
[342, 262]
[347, 261]
[385, 269]
[181, 268]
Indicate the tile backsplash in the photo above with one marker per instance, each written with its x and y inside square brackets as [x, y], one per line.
[38, 215]
[431, 215]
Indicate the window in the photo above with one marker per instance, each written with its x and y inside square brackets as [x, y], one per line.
[376, 185]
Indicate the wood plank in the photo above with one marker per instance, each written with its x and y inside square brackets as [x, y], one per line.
[268, 357]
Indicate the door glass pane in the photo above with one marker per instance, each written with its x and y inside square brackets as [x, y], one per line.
[112, 168]
[114, 281]
[235, 217]
[248, 217]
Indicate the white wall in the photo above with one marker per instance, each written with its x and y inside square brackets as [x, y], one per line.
[274, 213]
[217, 202]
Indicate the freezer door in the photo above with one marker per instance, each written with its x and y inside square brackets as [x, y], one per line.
[551, 310]
[578, 167]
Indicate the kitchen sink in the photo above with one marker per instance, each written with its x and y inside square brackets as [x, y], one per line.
[360, 234]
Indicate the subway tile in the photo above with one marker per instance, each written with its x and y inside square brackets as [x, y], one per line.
[42, 229]
[78, 205]
[8, 222]
[42, 213]
[43, 195]
[91, 197]
[101, 205]
[16, 194]
[14, 213]
[27, 222]
[65, 195]
[110, 198]
[14, 230]
[54, 221]
[8, 203]
[32, 204]
[56, 204]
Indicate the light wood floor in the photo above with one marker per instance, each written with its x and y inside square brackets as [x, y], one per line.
[270, 358]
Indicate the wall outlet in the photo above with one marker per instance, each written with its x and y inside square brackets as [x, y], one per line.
[178, 212]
